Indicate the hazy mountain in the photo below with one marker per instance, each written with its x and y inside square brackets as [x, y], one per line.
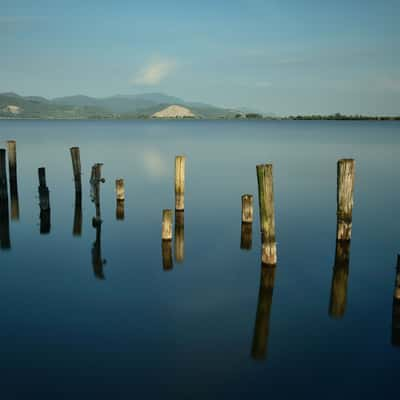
[118, 106]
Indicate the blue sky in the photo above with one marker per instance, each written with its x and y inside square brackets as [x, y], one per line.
[286, 57]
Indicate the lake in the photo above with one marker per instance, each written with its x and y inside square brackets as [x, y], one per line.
[99, 313]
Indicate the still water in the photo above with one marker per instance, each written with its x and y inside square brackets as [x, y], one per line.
[97, 312]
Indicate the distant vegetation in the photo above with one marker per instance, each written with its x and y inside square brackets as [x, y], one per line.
[141, 106]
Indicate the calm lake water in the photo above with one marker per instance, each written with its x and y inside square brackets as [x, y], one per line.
[193, 331]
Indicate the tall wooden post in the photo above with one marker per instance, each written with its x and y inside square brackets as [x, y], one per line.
[261, 327]
[345, 190]
[247, 222]
[396, 308]
[5, 242]
[180, 182]
[76, 166]
[12, 169]
[120, 194]
[338, 299]
[267, 214]
[179, 242]
[95, 180]
[44, 202]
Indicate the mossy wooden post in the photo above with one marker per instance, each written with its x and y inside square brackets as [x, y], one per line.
[261, 327]
[247, 222]
[396, 308]
[120, 195]
[179, 239]
[345, 190]
[44, 202]
[267, 214]
[12, 169]
[338, 299]
[95, 180]
[76, 166]
[180, 182]
[5, 242]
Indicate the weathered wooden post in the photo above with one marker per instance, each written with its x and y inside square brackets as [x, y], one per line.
[267, 214]
[338, 299]
[180, 182]
[120, 194]
[261, 327]
[44, 202]
[166, 232]
[396, 308]
[247, 222]
[179, 242]
[95, 180]
[12, 169]
[345, 190]
[5, 242]
[76, 166]
[166, 236]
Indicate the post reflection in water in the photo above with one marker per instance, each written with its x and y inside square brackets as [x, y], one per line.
[44, 203]
[179, 245]
[120, 210]
[166, 248]
[396, 308]
[97, 259]
[5, 242]
[246, 236]
[261, 327]
[338, 299]
[77, 228]
[12, 168]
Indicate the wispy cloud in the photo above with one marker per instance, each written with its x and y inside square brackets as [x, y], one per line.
[154, 72]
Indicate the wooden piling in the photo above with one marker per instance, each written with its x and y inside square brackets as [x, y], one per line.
[267, 214]
[120, 189]
[5, 242]
[338, 299]
[396, 308]
[180, 182]
[345, 190]
[44, 196]
[247, 208]
[179, 239]
[3, 176]
[76, 167]
[262, 322]
[95, 180]
[166, 233]
[12, 174]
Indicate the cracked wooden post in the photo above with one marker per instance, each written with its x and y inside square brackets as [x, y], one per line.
[76, 166]
[166, 242]
[262, 322]
[247, 222]
[338, 299]
[95, 180]
[12, 169]
[179, 239]
[5, 242]
[180, 182]
[120, 195]
[44, 202]
[267, 214]
[345, 190]
[396, 308]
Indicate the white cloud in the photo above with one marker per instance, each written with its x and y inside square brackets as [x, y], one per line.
[155, 72]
